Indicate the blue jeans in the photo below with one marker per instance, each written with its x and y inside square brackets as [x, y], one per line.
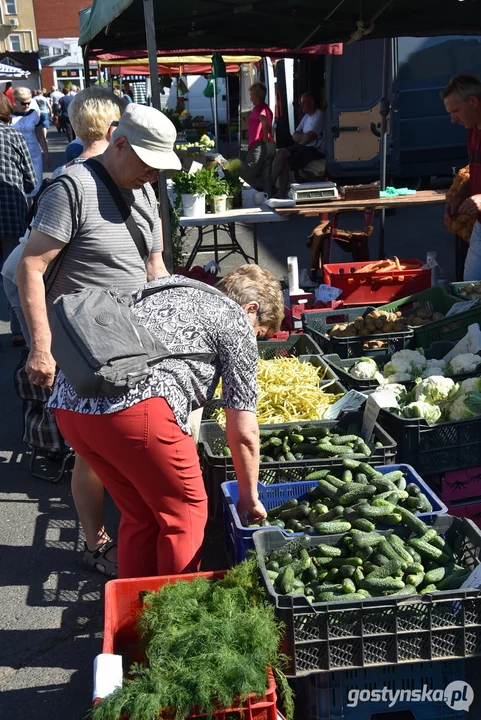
[11, 291]
[472, 266]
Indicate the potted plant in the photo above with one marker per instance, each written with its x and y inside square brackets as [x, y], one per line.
[232, 171]
[219, 191]
[192, 188]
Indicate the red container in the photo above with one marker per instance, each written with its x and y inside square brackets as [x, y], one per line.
[472, 511]
[461, 485]
[375, 288]
[123, 602]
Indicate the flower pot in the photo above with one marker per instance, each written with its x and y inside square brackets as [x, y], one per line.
[193, 205]
[220, 203]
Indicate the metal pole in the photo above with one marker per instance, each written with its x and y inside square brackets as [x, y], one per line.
[86, 67]
[149, 19]
[227, 105]
[216, 118]
[384, 110]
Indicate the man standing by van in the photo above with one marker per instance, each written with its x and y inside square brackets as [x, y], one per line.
[462, 100]
[309, 144]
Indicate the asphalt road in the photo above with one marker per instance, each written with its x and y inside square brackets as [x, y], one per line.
[51, 607]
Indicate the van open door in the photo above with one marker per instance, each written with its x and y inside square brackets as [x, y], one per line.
[250, 73]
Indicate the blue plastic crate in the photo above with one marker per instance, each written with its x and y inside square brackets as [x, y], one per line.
[325, 696]
[238, 539]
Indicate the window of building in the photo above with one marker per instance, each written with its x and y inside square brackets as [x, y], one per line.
[15, 43]
[11, 7]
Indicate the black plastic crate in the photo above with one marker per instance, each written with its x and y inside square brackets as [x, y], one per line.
[342, 366]
[433, 449]
[379, 631]
[218, 469]
[294, 346]
[318, 324]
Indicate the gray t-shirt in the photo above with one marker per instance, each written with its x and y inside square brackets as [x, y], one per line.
[102, 252]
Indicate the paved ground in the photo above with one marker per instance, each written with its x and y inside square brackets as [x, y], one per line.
[51, 607]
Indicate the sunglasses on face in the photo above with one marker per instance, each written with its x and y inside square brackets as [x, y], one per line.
[25, 103]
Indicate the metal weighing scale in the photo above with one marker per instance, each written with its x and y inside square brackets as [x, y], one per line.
[313, 192]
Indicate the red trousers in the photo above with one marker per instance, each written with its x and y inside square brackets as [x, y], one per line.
[151, 469]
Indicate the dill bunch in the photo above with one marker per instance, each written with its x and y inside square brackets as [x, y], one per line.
[207, 644]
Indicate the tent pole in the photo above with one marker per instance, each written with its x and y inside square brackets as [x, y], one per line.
[216, 116]
[86, 67]
[149, 19]
[227, 105]
[384, 111]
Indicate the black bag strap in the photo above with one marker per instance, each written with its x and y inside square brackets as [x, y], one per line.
[54, 267]
[122, 206]
[171, 286]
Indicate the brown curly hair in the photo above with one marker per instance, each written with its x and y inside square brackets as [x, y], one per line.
[251, 283]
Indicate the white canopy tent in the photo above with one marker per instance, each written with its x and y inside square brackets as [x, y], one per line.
[9, 72]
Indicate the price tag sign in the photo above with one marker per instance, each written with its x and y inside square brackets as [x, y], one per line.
[430, 264]
[376, 401]
[474, 580]
[460, 307]
[326, 293]
[352, 400]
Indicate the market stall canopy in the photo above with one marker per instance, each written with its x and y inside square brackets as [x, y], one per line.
[207, 25]
[112, 24]
[8, 72]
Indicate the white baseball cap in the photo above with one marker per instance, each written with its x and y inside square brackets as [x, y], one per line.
[151, 136]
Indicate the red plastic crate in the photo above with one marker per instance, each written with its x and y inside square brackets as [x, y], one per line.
[461, 485]
[371, 288]
[472, 511]
[123, 602]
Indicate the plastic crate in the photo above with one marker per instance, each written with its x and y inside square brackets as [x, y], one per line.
[217, 469]
[471, 510]
[318, 324]
[457, 486]
[433, 449]
[294, 346]
[342, 367]
[456, 287]
[123, 602]
[384, 630]
[435, 298]
[239, 538]
[316, 360]
[329, 696]
[368, 288]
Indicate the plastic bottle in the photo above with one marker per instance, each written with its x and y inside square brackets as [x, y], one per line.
[431, 258]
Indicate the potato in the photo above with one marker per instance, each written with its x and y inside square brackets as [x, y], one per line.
[417, 321]
[379, 322]
[397, 327]
[437, 316]
[363, 332]
[425, 314]
[370, 325]
[374, 314]
[352, 329]
[398, 314]
[387, 327]
[359, 323]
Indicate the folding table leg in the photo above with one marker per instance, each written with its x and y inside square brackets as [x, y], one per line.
[195, 249]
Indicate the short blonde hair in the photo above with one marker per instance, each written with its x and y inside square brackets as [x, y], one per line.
[259, 89]
[250, 283]
[92, 111]
[20, 93]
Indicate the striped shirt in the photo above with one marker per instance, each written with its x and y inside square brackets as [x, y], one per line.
[101, 251]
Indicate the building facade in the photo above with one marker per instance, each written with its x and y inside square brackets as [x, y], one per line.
[18, 39]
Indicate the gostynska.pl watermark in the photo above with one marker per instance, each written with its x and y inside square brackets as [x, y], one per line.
[458, 695]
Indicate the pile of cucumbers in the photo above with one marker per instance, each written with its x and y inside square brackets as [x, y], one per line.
[362, 565]
[352, 496]
[309, 442]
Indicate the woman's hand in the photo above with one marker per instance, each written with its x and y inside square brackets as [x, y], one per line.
[251, 510]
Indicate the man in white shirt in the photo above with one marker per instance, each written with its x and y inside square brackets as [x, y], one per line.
[309, 144]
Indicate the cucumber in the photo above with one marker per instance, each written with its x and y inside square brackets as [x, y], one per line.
[351, 497]
[387, 549]
[414, 523]
[402, 550]
[317, 475]
[273, 565]
[273, 575]
[368, 469]
[298, 584]
[428, 589]
[454, 580]
[336, 512]
[363, 524]
[331, 528]
[407, 590]
[274, 442]
[350, 464]
[415, 569]
[332, 574]
[361, 479]
[327, 489]
[333, 480]
[362, 539]
[296, 513]
[401, 483]
[415, 580]
[371, 513]
[382, 483]
[363, 448]
[287, 580]
[339, 562]
[425, 549]
[391, 569]
[435, 575]
[296, 439]
[383, 583]
[348, 586]
[289, 505]
[381, 560]
[328, 550]
[358, 577]
[364, 553]
[413, 489]
[317, 431]
[328, 587]
[347, 476]
[390, 519]
[329, 596]
[347, 571]
[335, 450]
[394, 475]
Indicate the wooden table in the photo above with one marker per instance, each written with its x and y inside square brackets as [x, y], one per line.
[330, 211]
[227, 221]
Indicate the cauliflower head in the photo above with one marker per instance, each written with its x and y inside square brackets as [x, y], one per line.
[464, 363]
[365, 369]
[458, 410]
[421, 409]
[399, 390]
[399, 377]
[471, 385]
[432, 371]
[407, 362]
[436, 389]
